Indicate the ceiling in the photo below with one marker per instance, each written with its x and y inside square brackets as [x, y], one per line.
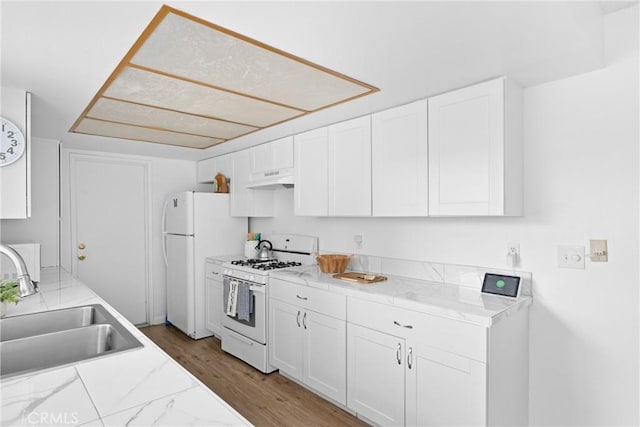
[63, 52]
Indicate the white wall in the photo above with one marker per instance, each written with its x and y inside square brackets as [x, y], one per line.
[42, 226]
[581, 182]
[166, 176]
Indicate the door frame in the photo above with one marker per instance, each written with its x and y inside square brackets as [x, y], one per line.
[74, 156]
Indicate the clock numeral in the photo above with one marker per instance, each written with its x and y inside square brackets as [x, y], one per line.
[10, 134]
[14, 142]
[2, 156]
[10, 150]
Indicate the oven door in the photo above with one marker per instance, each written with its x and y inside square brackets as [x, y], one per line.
[256, 327]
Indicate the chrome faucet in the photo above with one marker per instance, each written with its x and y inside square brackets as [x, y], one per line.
[27, 287]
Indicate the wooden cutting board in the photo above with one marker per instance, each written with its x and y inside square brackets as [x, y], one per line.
[358, 277]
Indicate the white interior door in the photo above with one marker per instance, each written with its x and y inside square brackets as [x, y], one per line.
[109, 231]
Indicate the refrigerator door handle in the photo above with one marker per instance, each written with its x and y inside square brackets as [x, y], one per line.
[164, 249]
[164, 233]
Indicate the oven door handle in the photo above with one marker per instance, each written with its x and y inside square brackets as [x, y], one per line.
[257, 289]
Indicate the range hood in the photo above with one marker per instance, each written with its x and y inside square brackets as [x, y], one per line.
[272, 180]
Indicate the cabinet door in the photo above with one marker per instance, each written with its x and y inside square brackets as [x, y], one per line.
[325, 355]
[207, 169]
[375, 374]
[224, 165]
[244, 201]
[283, 153]
[466, 151]
[285, 334]
[399, 161]
[444, 388]
[310, 190]
[275, 155]
[350, 168]
[213, 307]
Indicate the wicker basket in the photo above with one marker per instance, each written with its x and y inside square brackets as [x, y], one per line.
[334, 263]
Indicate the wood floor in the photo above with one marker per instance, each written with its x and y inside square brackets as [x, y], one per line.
[264, 400]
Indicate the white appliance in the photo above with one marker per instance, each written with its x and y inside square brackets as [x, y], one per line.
[195, 226]
[247, 338]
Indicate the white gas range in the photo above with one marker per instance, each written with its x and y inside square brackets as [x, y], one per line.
[246, 297]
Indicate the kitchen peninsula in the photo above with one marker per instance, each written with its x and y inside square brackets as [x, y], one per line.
[144, 386]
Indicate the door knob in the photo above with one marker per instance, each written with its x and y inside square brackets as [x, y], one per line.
[81, 257]
[81, 246]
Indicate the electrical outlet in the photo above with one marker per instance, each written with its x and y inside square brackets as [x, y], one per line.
[513, 254]
[598, 251]
[571, 257]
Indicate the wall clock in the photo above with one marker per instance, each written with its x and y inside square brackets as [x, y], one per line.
[13, 145]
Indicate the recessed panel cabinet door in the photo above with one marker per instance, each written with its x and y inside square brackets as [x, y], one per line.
[285, 333]
[310, 190]
[213, 295]
[375, 374]
[469, 152]
[324, 355]
[399, 161]
[444, 389]
[350, 168]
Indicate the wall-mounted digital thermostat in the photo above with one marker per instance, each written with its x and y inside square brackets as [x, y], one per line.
[500, 284]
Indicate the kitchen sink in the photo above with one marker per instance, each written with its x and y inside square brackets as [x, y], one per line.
[54, 338]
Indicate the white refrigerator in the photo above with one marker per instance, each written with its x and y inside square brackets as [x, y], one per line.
[195, 226]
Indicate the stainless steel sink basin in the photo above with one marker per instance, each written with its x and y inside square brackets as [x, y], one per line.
[50, 321]
[44, 340]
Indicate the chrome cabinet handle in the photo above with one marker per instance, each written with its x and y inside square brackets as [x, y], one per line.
[398, 355]
[298, 318]
[404, 326]
[304, 320]
[302, 298]
[410, 358]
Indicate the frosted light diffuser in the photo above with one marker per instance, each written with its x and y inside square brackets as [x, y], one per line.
[191, 83]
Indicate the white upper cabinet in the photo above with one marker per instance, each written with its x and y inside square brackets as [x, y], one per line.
[310, 191]
[245, 201]
[272, 157]
[475, 150]
[349, 167]
[209, 168]
[15, 176]
[399, 161]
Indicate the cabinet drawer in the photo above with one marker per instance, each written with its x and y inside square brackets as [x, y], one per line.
[450, 335]
[324, 302]
[213, 271]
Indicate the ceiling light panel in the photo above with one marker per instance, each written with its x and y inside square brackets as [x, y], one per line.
[191, 83]
[135, 114]
[182, 47]
[136, 133]
[157, 90]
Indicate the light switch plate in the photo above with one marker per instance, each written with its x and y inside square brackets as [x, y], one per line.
[571, 257]
[598, 251]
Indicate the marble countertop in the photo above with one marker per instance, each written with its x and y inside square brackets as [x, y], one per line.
[451, 301]
[141, 387]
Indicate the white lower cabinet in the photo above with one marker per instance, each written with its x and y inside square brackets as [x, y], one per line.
[443, 388]
[375, 374]
[415, 369]
[306, 344]
[398, 381]
[213, 297]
